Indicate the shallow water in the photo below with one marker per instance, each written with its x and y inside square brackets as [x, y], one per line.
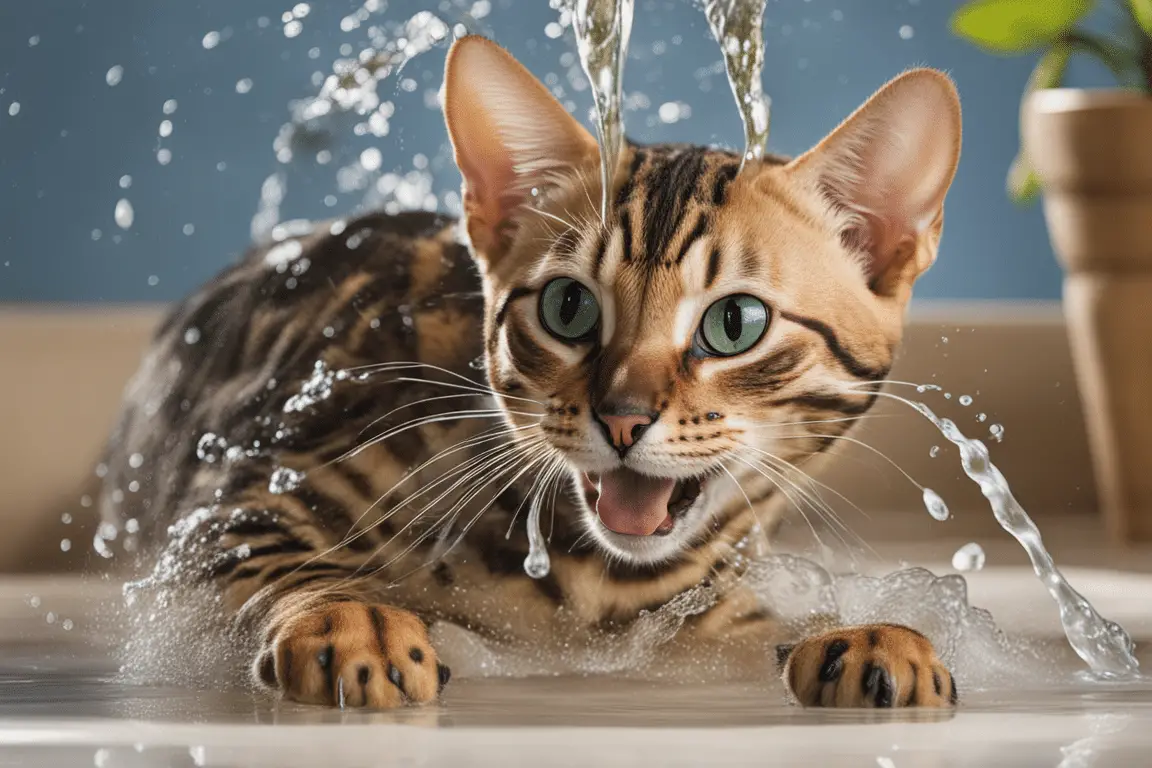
[61, 705]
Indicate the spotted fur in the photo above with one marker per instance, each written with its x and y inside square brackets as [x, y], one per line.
[342, 433]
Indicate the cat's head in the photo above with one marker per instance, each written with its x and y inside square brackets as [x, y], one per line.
[722, 324]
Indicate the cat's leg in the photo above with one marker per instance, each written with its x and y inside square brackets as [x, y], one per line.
[334, 649]
[316, 621]
[876, 665]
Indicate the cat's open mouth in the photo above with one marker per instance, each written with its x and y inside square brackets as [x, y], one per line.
[633, 504]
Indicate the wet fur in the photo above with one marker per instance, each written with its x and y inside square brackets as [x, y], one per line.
[330, 576]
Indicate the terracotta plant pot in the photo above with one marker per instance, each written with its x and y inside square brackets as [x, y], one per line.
[1093, 153]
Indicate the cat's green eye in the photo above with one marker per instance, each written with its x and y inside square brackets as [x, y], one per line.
[733, 324]
[568, 310]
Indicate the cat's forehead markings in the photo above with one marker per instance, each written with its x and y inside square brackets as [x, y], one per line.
[694, 266]
[607, 260]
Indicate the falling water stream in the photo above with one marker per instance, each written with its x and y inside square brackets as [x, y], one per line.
[737, 26]
[602, 29]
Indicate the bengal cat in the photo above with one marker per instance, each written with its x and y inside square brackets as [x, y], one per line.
[339, 432]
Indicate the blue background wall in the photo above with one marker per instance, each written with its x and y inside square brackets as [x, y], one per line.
[74, 136]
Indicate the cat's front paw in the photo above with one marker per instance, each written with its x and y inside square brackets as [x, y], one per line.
[879, 665]
[352, 654]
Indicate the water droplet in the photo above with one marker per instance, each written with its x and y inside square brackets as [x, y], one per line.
[86, 501]
[136, 460]
[284, 480]
[943, 339]
[537, 565]
[188, 229]
[371, 159]
[125, 181]
[165, 129]
[969, 557]
[244, 85]
[170, 106]
[674, 111]
[935, 505]
[34, 601]
[114, 75]
[34, 41]
[997, 432]
[50, 617]
[934, 451]
[66, 519]
[191, 335]
[965, 400]
[124, 214]
[153, 280]
[211, 40]
[164, 156]
[67, 625]
[293, 28]
[981, 417]
[65, 545]
[280, 255]
[14, 108]
[906, 32]
[209, 447]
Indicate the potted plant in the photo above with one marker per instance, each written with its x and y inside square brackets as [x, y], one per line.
[1089, 152]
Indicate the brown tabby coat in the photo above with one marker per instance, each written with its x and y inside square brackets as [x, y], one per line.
[409, 380]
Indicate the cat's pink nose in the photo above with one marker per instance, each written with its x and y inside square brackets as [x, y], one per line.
[625, 429]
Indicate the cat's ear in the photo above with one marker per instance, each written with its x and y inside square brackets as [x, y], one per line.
[510, 136]
[885, 172]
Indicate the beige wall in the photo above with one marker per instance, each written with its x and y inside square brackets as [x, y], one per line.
[62, 371]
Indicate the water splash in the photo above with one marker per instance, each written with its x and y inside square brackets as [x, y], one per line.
[805, 598]
[602, 30]
[737, 26]
[353, 89]
[537, 564]
[1104, 645]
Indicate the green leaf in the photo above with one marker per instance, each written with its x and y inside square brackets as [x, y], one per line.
[1017, 26]
[1142, 12]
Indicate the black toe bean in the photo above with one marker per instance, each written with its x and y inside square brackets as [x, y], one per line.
[833, 665]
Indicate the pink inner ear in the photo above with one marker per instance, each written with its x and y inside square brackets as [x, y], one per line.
[887, 169]
[509, 134]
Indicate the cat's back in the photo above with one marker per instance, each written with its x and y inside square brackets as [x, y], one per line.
[216, 387]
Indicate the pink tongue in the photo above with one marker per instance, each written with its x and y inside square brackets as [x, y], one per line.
[632, 503]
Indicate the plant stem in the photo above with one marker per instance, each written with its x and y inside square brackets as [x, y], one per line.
[1116, 59]
[1144, 63]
